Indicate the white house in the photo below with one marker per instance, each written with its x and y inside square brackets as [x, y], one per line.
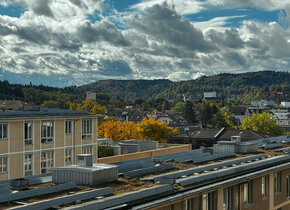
[282, 116]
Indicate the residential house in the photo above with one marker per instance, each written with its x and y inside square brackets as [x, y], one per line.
[255, 110]
[134, 115]
[239, 113]
[205, 137]
[282, 116]
[17, 105]
[263, 103]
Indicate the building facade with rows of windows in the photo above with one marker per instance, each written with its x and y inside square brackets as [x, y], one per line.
[32, 143]
[261, 189]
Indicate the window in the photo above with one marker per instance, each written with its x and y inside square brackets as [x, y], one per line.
[28, 132]
[87, 150]
[3, 164]
[68, 156]
[28, 165]
[277, 182]
[288, 186]
[3, 130]
[209, 201]
[46, 161]
[68, 127]
[87, 128]
[248, 189]
[227, 204]
[265, 188]
[187, 204]
[47, 131]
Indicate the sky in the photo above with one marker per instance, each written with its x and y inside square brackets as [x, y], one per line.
[75, 42]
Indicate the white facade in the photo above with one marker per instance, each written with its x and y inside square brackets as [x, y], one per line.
[209, 94]
[91, 95]
[262, 103]
[285, 104]
[166, 120]
[282, 116]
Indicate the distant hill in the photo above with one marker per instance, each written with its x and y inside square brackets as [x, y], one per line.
[260, 84]
[129, 89]
[240, 87]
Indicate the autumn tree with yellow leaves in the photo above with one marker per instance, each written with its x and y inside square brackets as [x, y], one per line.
[155, 130]
[149, 129]
[118, 131]
[264, 123]
[88, 105]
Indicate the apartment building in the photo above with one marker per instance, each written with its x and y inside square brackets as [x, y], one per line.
[226, 182]
[31, 143]
[260, 191]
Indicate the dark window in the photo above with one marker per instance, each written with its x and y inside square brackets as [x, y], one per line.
[227, 205]
[68, 127]
[3, 164]
[3, 130]
[277, 182]
[87, 128]
[28, 132]
[47, 131]
[248, 192]
[265, 186]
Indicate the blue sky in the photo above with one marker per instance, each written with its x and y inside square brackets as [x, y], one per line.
[74, 42]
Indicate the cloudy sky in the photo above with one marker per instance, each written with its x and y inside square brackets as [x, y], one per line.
[74, 42]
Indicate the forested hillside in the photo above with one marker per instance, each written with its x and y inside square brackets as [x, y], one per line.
[129, 89]
[246, 86]
[242, 87]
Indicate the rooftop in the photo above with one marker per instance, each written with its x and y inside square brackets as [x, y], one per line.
[154, 177]
[43, 112]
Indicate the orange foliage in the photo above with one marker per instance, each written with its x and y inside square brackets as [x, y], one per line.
[118, 131]
[148, 129]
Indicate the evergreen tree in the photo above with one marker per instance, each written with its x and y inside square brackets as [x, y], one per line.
[206, 113]
[219, 120]
[189, 113]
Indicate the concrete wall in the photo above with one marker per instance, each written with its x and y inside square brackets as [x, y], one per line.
[129, 148]
[148, 145]
[150, 153]
[223, 148]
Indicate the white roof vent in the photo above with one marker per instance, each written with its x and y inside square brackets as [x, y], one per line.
[236, 138]
[85, 160]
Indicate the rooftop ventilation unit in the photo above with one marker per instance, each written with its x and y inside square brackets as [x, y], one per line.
[85, 160]
[236, 138]
[85, 173]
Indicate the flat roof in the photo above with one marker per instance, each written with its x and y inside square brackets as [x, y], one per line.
[94, 167]
[248, 169]
[45, 112]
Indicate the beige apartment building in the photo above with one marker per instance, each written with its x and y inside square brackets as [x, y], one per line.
[32, 143]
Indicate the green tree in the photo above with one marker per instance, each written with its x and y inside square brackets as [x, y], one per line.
[105, 151]
[179, 107]
[189, 114]
[219, 120]
[206, 113]
[145, 106]
[264, 123]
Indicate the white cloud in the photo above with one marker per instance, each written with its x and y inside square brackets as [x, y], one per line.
[55, 39]
[215, 23]
[183, 7]
[269, 5]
